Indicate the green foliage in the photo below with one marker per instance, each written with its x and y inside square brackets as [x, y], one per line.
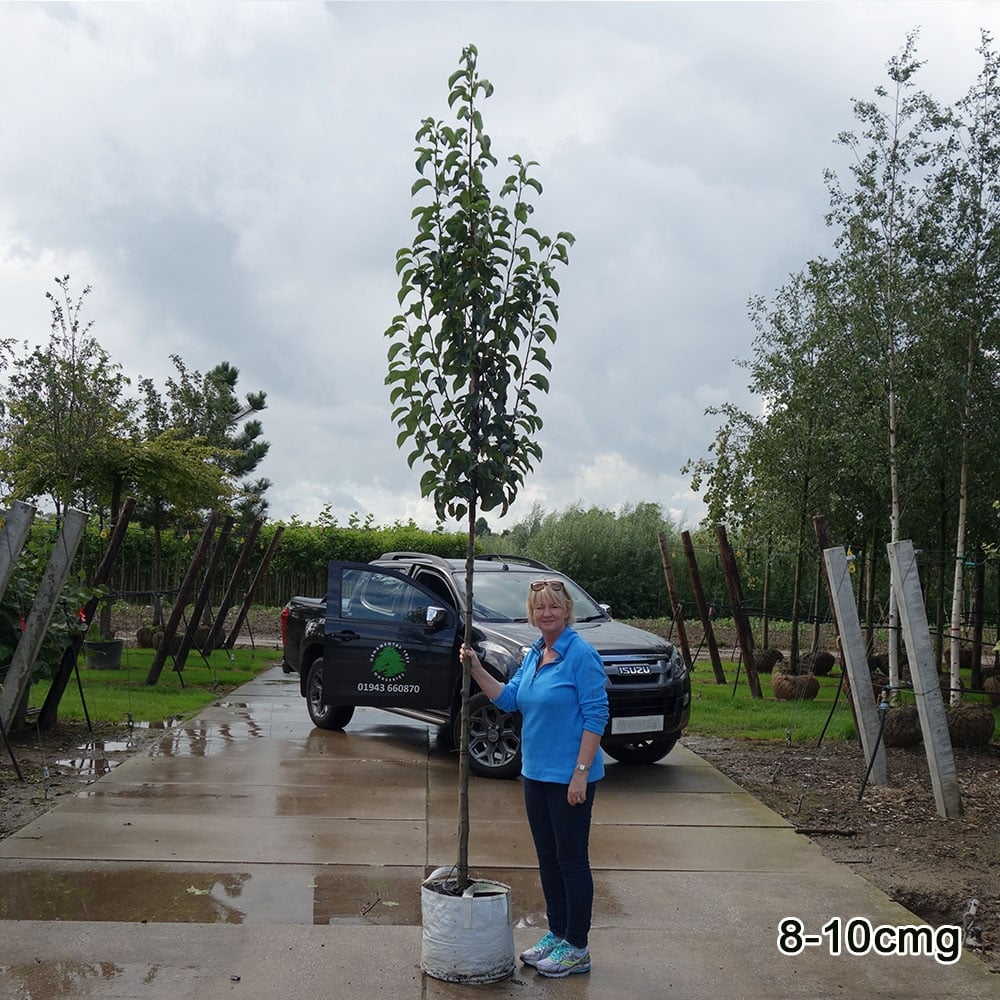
[307, 547]
[614, 556]
[205, 410]
[878, 369]
[68, 432]
[64, 412]
[478, 293]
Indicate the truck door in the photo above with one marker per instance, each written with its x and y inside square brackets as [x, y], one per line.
[389, 641]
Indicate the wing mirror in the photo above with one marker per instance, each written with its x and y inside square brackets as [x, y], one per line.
[436, 617]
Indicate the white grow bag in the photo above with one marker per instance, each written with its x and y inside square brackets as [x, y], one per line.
[467, 938]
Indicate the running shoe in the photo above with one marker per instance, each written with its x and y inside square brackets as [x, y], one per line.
[564, 960]
[546, 945]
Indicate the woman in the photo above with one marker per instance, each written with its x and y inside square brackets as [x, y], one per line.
[559, 690]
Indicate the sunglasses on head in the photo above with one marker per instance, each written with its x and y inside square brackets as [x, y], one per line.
[556, 586]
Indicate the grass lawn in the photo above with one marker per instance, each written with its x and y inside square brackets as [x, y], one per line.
[123, 695]
[729, 710]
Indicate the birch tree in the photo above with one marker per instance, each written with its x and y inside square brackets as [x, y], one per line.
[969, 230]
[877, 219]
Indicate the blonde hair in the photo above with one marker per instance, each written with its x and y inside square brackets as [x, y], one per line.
[561, 598]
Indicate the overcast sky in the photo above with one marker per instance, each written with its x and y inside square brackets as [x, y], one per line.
[233, 182]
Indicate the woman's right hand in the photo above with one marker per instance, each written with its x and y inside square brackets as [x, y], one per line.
[485, 681]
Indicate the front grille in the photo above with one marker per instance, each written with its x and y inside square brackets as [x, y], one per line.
[640, 703]
[625, 680]
[636, 668]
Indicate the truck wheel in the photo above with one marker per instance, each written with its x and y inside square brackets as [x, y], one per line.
[494, 739]
[640, 752]
[324, 716]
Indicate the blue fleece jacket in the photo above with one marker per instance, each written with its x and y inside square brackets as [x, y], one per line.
[557, 703]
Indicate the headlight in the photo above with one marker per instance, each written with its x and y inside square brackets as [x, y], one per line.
[503, 660]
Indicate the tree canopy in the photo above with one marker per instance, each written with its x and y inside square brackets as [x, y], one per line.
[72, 431]
[877, 368]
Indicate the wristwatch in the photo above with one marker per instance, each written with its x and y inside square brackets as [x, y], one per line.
[583, 767]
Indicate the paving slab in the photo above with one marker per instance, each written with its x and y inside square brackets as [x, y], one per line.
[246, 854]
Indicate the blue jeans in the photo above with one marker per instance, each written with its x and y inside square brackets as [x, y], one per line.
[562, 840]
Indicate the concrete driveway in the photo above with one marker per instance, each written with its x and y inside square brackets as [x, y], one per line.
[249, 855]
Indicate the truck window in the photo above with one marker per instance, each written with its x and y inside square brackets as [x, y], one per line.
[436, 585]
[376, 597]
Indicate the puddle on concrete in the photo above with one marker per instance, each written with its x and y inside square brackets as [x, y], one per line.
[252, 894]
[43, 980]
[94, 760]
[204, 738]
[167, 723]
[259, 895]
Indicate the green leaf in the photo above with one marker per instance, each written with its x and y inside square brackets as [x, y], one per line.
[460, 373]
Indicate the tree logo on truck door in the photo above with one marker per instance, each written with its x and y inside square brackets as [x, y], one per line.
[389, 661]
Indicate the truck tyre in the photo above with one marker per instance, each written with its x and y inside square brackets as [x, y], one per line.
[494, 739]
[324, 716]
[640, 752]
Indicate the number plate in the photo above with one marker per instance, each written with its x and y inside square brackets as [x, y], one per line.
[637, 724]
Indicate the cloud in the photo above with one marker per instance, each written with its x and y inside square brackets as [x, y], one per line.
[233, 181]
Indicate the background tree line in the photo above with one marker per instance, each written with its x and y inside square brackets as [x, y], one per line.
[877, 367]
[613, 555]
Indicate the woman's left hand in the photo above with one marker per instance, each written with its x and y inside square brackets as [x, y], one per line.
[577, 793]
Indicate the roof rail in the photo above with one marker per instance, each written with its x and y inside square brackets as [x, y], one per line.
[444, 563]
[520, 560]
[439, 561]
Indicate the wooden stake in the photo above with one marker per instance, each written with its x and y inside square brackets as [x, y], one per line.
[855, 661]
[675, 602]
[703, 610]
[926, 684]
[744, 633]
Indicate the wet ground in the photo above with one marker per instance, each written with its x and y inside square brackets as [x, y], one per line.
[248, 854]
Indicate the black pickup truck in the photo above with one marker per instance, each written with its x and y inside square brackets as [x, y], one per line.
[387, 635]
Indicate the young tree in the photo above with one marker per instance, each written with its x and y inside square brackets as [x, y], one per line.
[878, 221]
[468, 351]
[65, 412]
[208, 407]
[966, 226]
[773, 471]
[193, 450]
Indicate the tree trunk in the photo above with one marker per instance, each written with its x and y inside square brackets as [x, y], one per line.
[963, 513]
[765, 619]
[816, 602]
[463, 743]
[978, 608]
[893, 537]
[939, 603]
[797, 588]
